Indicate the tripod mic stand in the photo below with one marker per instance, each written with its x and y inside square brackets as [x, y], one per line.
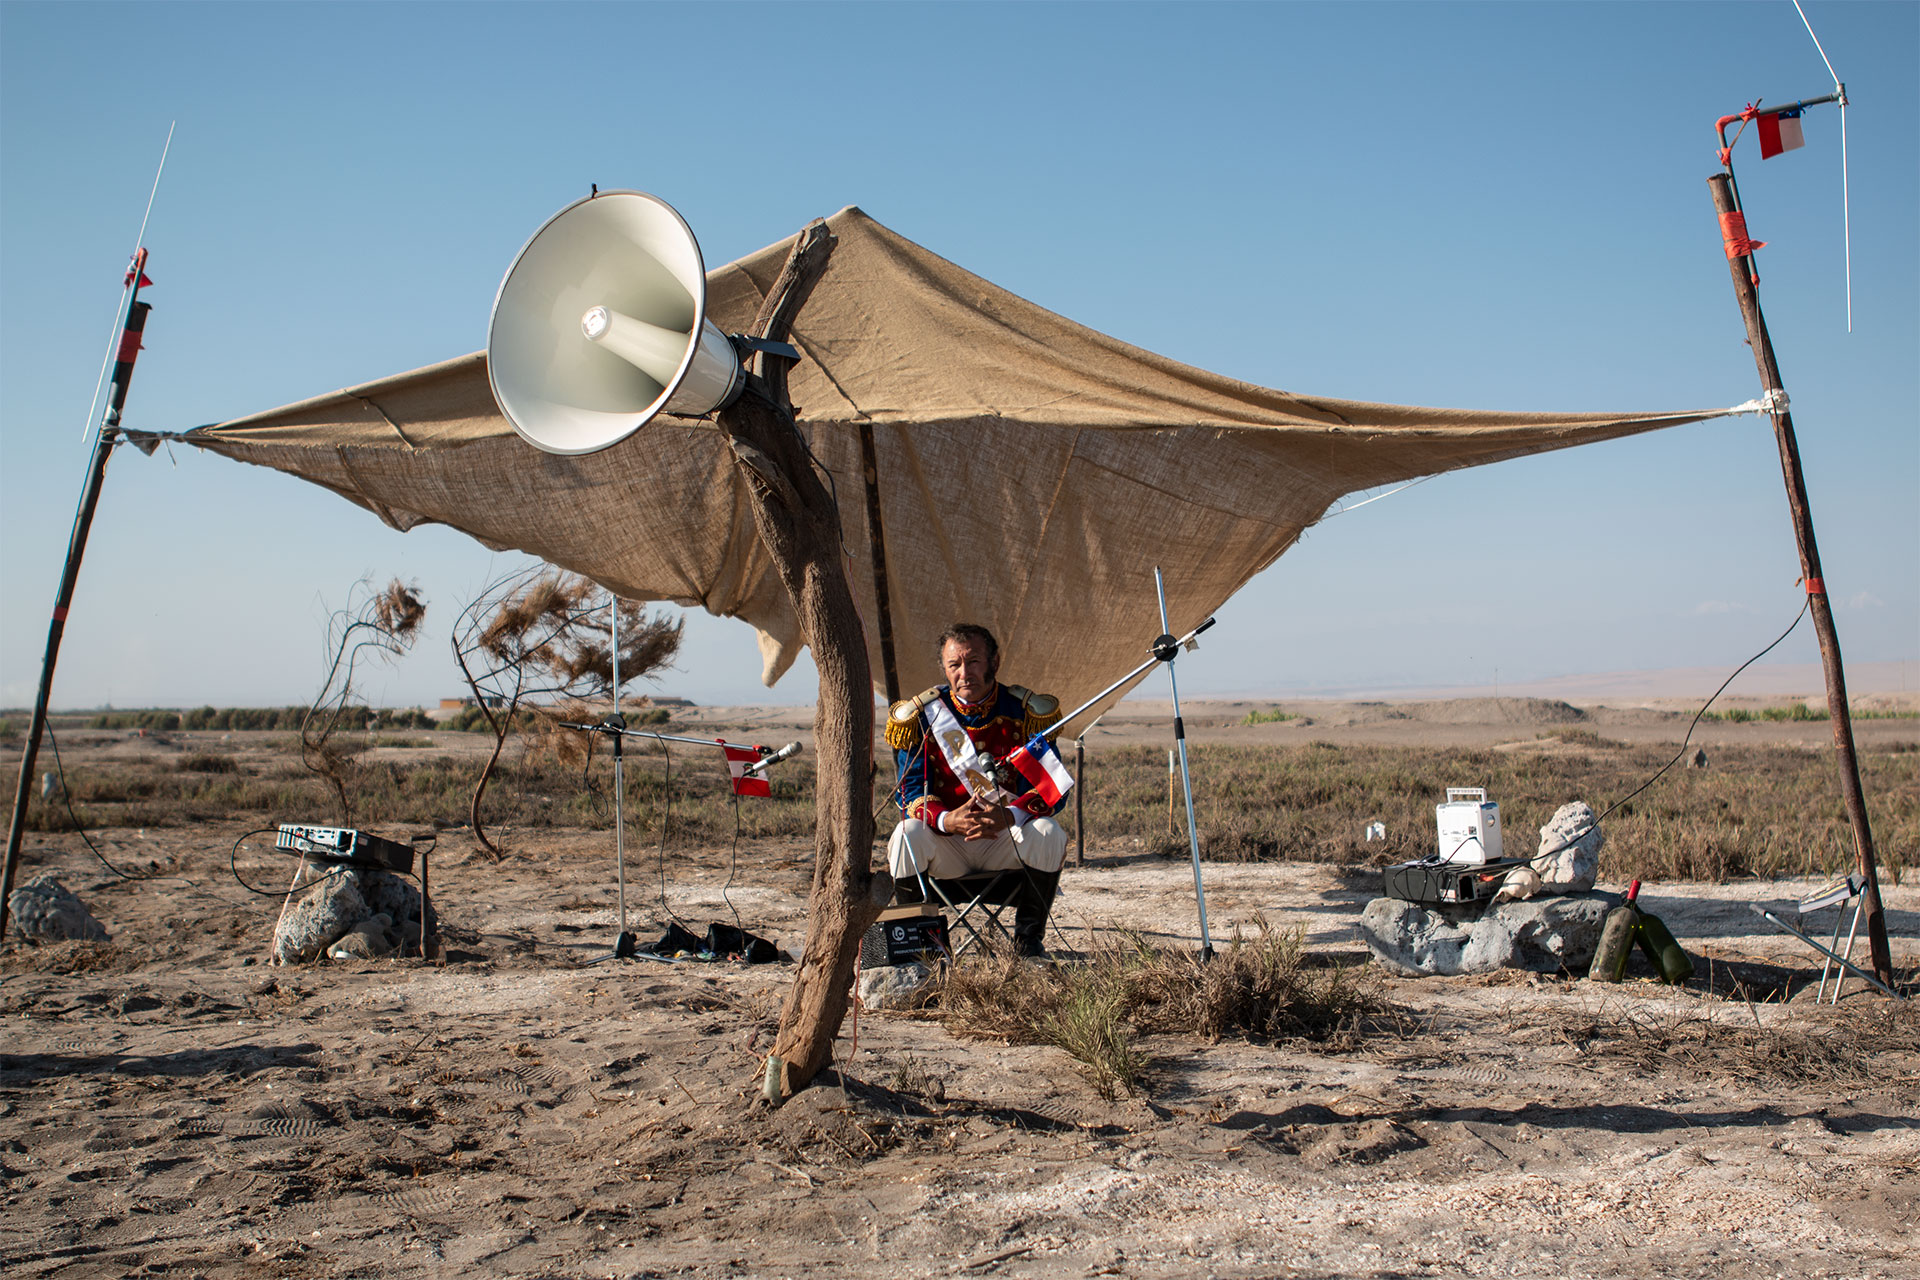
[1165, 648]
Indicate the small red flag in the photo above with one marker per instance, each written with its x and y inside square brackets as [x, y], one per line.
[1780, 132]
[738, 758]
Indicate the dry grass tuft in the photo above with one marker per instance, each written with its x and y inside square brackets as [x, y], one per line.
[1875, 1043]
[1264, 988]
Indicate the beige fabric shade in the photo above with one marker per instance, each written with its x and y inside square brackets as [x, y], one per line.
[1031, 471]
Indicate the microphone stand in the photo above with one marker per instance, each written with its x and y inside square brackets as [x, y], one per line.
[624, 945]
[1165, 649]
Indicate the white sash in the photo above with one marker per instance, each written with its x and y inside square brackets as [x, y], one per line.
[968, 763]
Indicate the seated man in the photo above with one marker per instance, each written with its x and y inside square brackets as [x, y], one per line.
[949, 830]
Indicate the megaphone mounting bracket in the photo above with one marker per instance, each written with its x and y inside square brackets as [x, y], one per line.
[744, 346]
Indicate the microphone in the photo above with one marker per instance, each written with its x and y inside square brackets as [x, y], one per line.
[766, 762]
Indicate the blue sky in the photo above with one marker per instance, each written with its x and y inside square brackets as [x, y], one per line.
[1490, 206]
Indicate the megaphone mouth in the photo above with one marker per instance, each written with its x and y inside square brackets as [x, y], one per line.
[600, 324]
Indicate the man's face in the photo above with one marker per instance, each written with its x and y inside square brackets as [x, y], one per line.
[968, 669]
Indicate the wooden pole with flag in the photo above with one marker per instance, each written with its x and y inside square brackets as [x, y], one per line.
[132, 325]
[1739, 250]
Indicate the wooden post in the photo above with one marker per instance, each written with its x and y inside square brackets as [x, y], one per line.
[1837, 710]
[877, 548]
[800, 527]
[1079, 809]
[133, 325]
[1170, 826]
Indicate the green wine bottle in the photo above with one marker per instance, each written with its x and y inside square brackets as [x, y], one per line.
[1668, 958]
[1616, 939]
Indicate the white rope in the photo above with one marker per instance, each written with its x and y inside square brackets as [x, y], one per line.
[1772, 402]
[1846, 202]
[1375, 498]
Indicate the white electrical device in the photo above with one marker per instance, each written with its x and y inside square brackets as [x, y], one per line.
[1469, 826]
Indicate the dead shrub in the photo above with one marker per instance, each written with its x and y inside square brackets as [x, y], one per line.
[1262, 987]
[1869, 1044]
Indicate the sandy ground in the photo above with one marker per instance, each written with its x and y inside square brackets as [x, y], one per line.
[170, 1104]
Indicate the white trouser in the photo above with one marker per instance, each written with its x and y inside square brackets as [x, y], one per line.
[916, 848]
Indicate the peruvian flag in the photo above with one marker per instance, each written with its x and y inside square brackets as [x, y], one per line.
[1780, 132]
[738, 758]
[1037, 763]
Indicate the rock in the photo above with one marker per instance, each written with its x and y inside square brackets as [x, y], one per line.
[311, 923]
[367, 940]
[898, 986]
[396, 898]
[1545, 935]
[1573, 868]
[47, 911]
[1413, 940]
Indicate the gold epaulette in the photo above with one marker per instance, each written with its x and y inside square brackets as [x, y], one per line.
[903, 720]
[1042, 709]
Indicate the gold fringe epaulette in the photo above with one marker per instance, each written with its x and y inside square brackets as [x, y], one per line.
[903, 720]
[1042, 709]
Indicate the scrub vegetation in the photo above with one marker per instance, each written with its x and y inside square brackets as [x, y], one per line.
[1753, 811]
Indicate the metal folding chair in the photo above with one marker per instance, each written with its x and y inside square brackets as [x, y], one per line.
[977, 901]
[1838, 894]
[1837, 964]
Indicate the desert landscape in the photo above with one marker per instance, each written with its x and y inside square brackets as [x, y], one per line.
[172, 1104]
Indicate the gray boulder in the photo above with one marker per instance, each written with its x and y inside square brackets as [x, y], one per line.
[898, 986]
[47, 911]
[1573, 868]
[311, 923]
[1411, 939]
[1543, 935]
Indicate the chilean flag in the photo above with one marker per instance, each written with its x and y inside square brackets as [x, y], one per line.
[1780, 132]
[1037, 763]
[738, 758]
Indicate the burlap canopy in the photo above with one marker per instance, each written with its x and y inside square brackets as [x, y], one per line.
[1030, 471]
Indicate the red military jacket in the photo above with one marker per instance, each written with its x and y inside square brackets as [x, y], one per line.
[997, 725]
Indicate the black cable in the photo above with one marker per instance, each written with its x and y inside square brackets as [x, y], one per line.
[901, 780]
[666, 821]
[733, 862]
[1697, 717]
[66, 800]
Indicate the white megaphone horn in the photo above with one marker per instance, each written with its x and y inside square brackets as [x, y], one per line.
[601, 323]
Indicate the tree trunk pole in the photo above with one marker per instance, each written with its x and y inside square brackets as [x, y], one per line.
[133, 325]
[1837, 710]
[796, 519]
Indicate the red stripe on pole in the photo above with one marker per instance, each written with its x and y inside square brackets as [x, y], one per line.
[1816, 587]
[59, 613]
[130, 347]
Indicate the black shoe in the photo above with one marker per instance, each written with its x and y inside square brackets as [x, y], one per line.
[1031, 949]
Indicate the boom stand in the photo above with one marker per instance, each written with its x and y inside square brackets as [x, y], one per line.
[1171, 650]
[1165, 649]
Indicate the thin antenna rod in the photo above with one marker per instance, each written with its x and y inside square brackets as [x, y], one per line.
[1816, 41]
[106, 361]
[1846, 210]
[166, 147]
[1846, 203]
